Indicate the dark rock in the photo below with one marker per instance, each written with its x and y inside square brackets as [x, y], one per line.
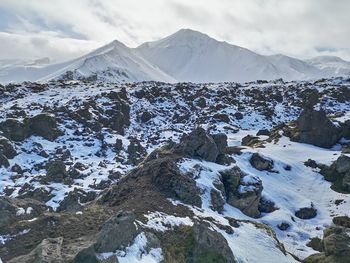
[117, 233]
[311, 163]
[118, 145]
[315, 128]
[56, 171]
[247, 201]
[343, 221]
[75, 200]
[342, 164]
[264, 132]
[283, 226]
[87, 255]
[238, 116]
[199, 144]
[17, 169]
[316, 244]
[209, 240]
[306, 213]
[44, 125]
[346, 182]
[222, 117]
[3, 161]
[221, 142]
[335, 247]
[14, 129]
[136, 152]
[217, 200]
[167, 177]
[249, 140]
[260, 163]
[7, 148]
[146, 116]
[40, 194]
[336, 241]
[266, 206]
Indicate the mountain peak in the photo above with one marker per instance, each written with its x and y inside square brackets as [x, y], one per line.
[187, 34]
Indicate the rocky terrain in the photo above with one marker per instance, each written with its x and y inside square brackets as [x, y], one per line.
[154, 172]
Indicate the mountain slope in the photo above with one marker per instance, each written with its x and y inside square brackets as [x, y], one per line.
[114, 62]
[331, 65]
[192, 56]
[186, 55]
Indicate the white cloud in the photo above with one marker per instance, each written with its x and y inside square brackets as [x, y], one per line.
[300, 28]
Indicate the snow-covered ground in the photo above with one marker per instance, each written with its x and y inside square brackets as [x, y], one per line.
[290, 190]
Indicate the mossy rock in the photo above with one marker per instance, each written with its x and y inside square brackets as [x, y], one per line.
[181, 246]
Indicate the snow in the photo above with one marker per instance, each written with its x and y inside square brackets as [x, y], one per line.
[186, 55]
[5, 238]
[161, 221]
[289, 190]
[196, 57]
[331, 64]
[136, 252]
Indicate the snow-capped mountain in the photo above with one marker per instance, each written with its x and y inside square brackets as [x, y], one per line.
[192, 56]
[331, 64]
[113, 62]
[291, 68]
[186, 55]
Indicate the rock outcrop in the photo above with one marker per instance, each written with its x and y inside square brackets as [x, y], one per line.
[315, 128]
[199, 144]
[335, 245]
[241, 192]
[260, 163]
[43, 124]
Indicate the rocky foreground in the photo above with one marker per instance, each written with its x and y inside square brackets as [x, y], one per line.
[153, 172]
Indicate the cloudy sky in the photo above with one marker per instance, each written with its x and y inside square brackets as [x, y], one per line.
[63, 29]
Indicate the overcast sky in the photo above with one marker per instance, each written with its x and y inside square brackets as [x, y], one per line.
[61, 29]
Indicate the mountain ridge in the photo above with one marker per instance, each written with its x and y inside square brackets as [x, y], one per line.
[185, 56]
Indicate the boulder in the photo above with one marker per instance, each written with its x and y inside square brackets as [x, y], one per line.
[343, 221]
[260, 163]
[263, 132]
[169, 180]
[346, 182]
[7, 148]
[241, 193]
[208, 240]
[315, 128]
[342, 164]
[199, 144]
[56, 171]
[217, 200]
[14, 129]
[87, 255]
[3, 161]
[336, 241]
[117, 233]
[250, 140]
[335, 246]
[136, 152]
[43, 124]
[306, 212]
[146, 116]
